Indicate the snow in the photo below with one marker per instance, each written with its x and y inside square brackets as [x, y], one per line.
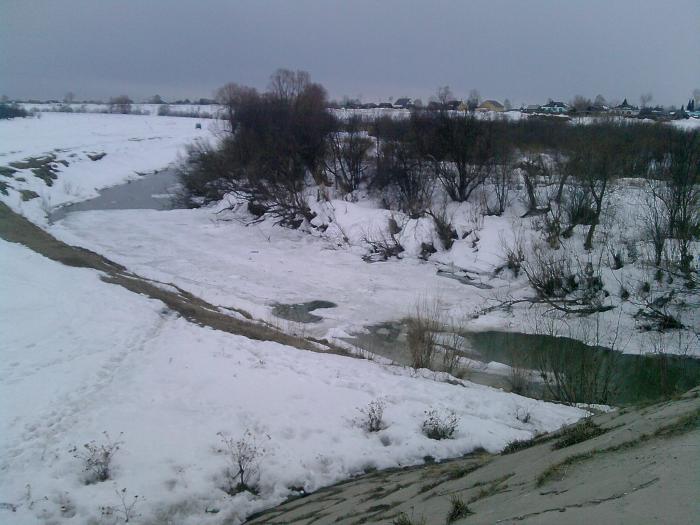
[217, 257]
[133, 144]
[81, 357]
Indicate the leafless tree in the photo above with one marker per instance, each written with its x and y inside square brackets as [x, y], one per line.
[444, 95]
[655, 220]
[580, 103]
[467, 149]
[69, 97]
[501, 167]
[286, 84]
[232, 96]
[680, 170]
[120, 104]
[473, 99]
[349, 155]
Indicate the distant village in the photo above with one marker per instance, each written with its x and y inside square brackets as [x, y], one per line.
[579, 107]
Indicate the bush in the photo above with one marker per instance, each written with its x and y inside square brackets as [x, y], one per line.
[372, 418]
[440, 425]
[458, 509]
[443, 226]
[403, 519]
[578, 433]
[244, 456]
[550, 275]
[125, 510]
[97, 458]
[8, 111]
[422, 337]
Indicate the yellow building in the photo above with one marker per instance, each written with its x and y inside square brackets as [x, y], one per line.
[491, 105]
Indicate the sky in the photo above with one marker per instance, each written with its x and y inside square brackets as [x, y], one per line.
[523, 50]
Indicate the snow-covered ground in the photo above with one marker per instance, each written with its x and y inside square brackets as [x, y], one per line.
[216, 256]
[81, 357]
[132, 144]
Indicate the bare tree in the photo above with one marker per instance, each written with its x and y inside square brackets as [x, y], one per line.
[654, 218]
[473, 99]
[120, 104]
[232, 96]
[580, 103]
[349, 155]
[444, 95]
[680, 170]
[600, 100]
[501, 167]
[69, 97]
[645, 98]
[286, 84]
[467, 149]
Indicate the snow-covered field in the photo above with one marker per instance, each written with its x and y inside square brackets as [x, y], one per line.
[132, 144]
[81, 357]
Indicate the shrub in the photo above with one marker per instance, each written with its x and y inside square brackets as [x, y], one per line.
[458, 509]
[440, 425]
[403, 519]
[372, 418]
[423, 331]
[97, 458]
[550, 275]
[515, 255]
[383, 244]
[125, 510]
[244, 456]
[443, 226]
[8, 111]
[578, 433]
[421, 340]
[523, 415]
[120, 104]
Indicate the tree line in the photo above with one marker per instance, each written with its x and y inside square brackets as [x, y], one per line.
[284, 145]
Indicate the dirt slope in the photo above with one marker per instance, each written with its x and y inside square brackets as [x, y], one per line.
[643, 468]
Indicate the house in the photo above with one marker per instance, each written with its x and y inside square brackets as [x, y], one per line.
[403, 103]
[554, 107]
[385, 105]
[628, 110]
[655, 113]
[491, 105]
[531, 108]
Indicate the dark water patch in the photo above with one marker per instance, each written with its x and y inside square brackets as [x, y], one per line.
[632, 378]
[301, 312]
[150, 192]
[606, 375]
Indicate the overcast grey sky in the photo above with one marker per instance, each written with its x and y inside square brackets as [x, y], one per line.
[526, 50]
